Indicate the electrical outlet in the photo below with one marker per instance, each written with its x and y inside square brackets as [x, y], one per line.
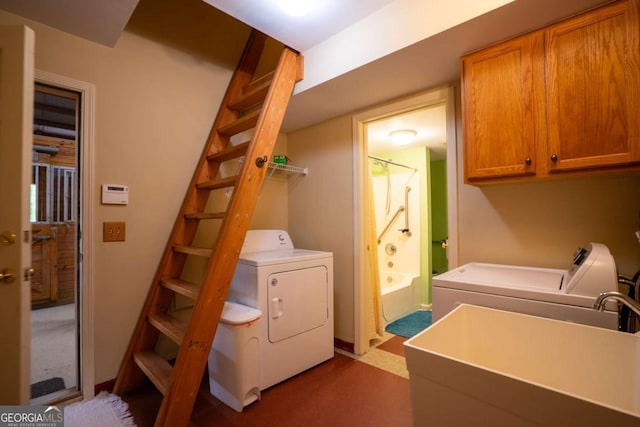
[113, 232]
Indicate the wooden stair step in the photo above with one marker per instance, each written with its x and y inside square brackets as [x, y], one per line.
[232, 152]
[155, 368]
[263, 80]
[206, 215]
[242, 124]
[253, 94]
[192, 250]
[218, 183]
[170, 326]
[182, 287]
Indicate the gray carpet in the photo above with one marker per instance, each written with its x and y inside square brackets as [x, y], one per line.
[53, 345]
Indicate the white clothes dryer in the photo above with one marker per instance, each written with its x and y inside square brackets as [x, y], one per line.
[293, 288]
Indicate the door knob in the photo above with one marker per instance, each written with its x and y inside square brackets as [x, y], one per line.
[7, 276]
[7, 238]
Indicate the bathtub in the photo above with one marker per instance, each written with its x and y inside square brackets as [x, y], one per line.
[399, 293]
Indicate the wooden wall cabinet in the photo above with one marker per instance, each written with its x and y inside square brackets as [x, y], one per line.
[559, 100]
[503, 96]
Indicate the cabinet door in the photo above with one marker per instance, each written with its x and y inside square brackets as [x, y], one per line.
[592, 89]
[503, 108]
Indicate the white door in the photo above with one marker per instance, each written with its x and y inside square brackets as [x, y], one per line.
[16, 128]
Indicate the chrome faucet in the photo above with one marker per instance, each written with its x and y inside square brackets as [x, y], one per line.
[620, 297]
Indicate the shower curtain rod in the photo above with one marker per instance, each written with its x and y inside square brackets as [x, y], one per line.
[392, 163]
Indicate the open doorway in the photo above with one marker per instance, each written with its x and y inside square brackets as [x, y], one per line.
[55, 245]
[84, 288]
[413, 169]
[407, 171]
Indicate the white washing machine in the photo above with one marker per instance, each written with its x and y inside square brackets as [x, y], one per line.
[293, 288]
[557, 294]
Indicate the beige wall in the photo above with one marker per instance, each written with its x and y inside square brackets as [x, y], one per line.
[157, 92]
[536, 224]
[321, 206]
[542, 224]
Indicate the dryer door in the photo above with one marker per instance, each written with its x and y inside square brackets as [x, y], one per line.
[297, 302]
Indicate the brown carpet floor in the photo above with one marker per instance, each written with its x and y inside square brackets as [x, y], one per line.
[393, 345]
[339, 392]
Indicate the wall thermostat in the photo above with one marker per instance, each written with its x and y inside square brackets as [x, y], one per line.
[113, 194]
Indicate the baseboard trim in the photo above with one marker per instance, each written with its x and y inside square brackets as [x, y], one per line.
[105, 386]
[343, 345]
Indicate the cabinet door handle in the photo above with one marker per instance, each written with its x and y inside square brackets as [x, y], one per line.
[527, 161]
[554, 158]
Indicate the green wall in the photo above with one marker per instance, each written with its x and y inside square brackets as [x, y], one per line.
[439, 225]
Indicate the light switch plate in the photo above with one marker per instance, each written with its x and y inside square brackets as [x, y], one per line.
[113, 231]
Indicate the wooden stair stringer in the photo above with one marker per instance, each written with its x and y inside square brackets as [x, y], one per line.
[171, 264]
[194, 352]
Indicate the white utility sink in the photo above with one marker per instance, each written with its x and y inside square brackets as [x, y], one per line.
[484, 367]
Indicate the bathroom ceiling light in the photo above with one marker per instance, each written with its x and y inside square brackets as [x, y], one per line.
[403, 136]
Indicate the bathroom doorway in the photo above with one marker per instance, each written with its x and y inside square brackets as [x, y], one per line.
[407, 183]
[400, 150]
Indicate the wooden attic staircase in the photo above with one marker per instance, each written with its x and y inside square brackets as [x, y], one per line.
[257, 104]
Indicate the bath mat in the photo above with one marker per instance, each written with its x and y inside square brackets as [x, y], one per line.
[410, 324]
[104, 410]
[51, 385]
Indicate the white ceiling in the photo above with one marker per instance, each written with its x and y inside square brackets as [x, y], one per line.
[431, 62]
[383, 50]
[97, 20]
[358, 53]
[327, 18]
[429, 124]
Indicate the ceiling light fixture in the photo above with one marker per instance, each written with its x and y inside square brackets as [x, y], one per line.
[403, 136]
[297, 7]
